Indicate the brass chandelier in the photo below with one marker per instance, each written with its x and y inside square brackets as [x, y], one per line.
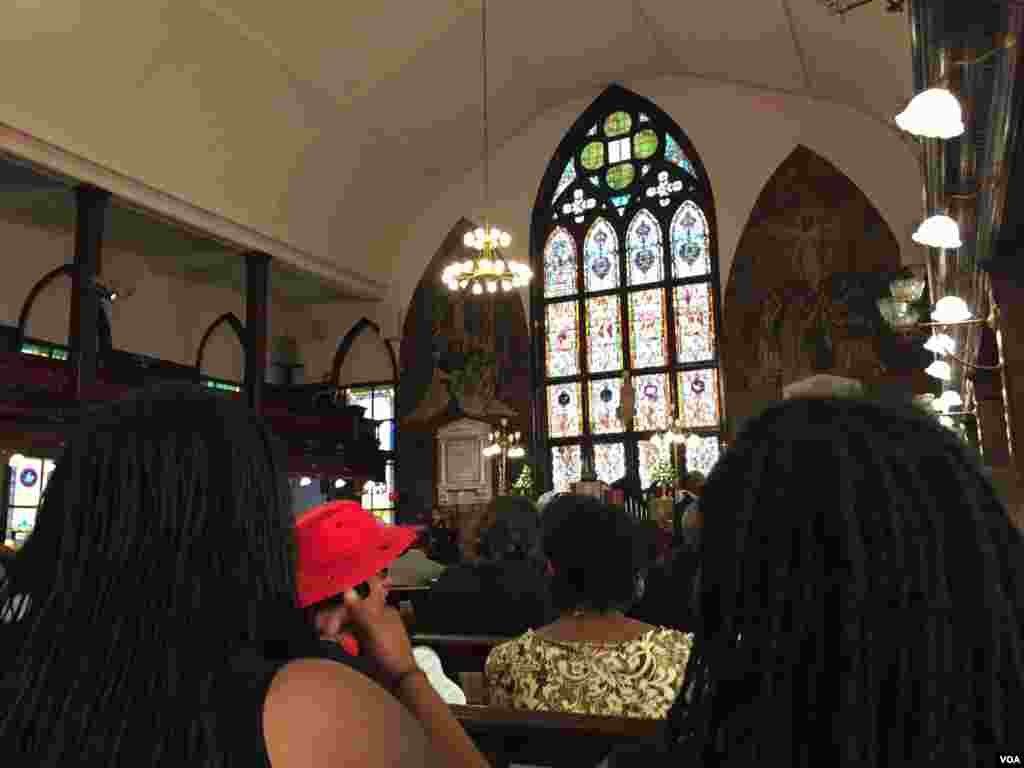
[487, 270]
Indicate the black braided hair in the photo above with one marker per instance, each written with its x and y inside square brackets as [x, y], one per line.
[163, 547]
[862, 593]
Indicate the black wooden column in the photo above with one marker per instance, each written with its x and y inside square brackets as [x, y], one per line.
[257, 283]
[83, 331]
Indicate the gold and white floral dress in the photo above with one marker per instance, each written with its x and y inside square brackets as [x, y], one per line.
[636, 678]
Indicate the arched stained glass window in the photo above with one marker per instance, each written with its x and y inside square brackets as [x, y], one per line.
[623, 234]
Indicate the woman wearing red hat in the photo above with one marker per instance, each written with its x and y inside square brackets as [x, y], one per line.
[162, 626]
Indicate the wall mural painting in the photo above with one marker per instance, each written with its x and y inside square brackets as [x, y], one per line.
[812, 261]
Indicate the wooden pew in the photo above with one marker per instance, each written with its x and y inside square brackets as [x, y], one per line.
[553, 738]
[460, 653]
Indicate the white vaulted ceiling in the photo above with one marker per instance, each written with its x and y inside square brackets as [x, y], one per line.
[328, 125]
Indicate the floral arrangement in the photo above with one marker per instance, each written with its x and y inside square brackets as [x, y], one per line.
[663, 473]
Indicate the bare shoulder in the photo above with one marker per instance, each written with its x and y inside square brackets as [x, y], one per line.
[319, 713]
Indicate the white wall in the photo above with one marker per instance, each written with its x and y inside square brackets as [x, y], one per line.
[163, 317]
[742, 135]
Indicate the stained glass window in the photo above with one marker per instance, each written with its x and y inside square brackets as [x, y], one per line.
[609, 461]
[648, 259]
[568, 177]
[592, 156]
[645, 144]
[690, 242]
[674, 154]
[565, 467]
[564, 410]
[698, 397]
[562, 350]
[644, 250]
[601, 256]
[604, 334]
[647, 338]
[617, 123]
[560, 264]
[604, 406]
[651, 402]
[702, 453]
[695, 323]
[620, 176]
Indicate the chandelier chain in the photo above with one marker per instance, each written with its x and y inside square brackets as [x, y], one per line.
[483, 56]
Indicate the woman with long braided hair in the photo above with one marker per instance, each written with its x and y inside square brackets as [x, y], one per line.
[862, 594]
[162, 625]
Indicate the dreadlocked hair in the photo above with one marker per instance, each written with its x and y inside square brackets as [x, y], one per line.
[862, 597]
[163, 549]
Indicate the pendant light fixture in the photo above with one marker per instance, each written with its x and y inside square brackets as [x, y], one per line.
[488, 271]
[939, 231]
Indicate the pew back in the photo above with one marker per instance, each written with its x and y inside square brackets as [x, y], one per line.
[460, 653]
[555, 739]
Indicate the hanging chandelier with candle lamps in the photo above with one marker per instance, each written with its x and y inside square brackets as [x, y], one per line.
[487, 271]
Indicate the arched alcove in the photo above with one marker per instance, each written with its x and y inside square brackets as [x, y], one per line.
[363, 355]
[222, 349]
[814, 256]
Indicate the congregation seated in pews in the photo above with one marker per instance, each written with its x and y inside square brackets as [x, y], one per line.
[872, 618]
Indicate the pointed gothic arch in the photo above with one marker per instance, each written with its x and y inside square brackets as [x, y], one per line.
[102, 320]
[229, 319]
[345, 345]
[623, 240]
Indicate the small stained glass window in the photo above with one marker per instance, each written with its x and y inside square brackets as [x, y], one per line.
[592, 156]
[645, 144]
[651, 401]
[562, 328]
[604, 334]
[601, 256]
[702, 454]
[674, 154]
[604, 406]
[564, 410]
[618, 150]
[690, 242]
[565, 467]
[644, 262]
[609, 461]
[698, 398]
[568, 177]
[560, 262]
[617, 123]
[647, 338]
[695, 325]
[620, 176]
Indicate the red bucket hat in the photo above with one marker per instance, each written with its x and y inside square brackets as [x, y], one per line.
[340, 545]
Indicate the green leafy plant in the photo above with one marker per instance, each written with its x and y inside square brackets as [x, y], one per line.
[663, 473]
[523, 486]
[473, 368]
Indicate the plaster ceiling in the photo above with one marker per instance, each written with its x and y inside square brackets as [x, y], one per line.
[405, 77]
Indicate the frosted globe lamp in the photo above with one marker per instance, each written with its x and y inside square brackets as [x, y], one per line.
[951, 309]
[938, 232]
[939, 370]
[933, 114]
[941, 344]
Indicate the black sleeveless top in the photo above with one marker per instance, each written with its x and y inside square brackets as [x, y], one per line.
[249, 680]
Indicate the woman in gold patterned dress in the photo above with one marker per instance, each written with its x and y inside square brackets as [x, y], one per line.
[592, 660]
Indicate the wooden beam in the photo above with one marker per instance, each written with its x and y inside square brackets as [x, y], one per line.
[257, 284]
[83, 332]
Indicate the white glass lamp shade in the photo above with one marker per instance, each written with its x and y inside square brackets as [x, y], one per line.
[468, 239]
[938, 232]
[952, 399]
[941, 344]
[951, 309]
[939, 370]
[933, 114]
